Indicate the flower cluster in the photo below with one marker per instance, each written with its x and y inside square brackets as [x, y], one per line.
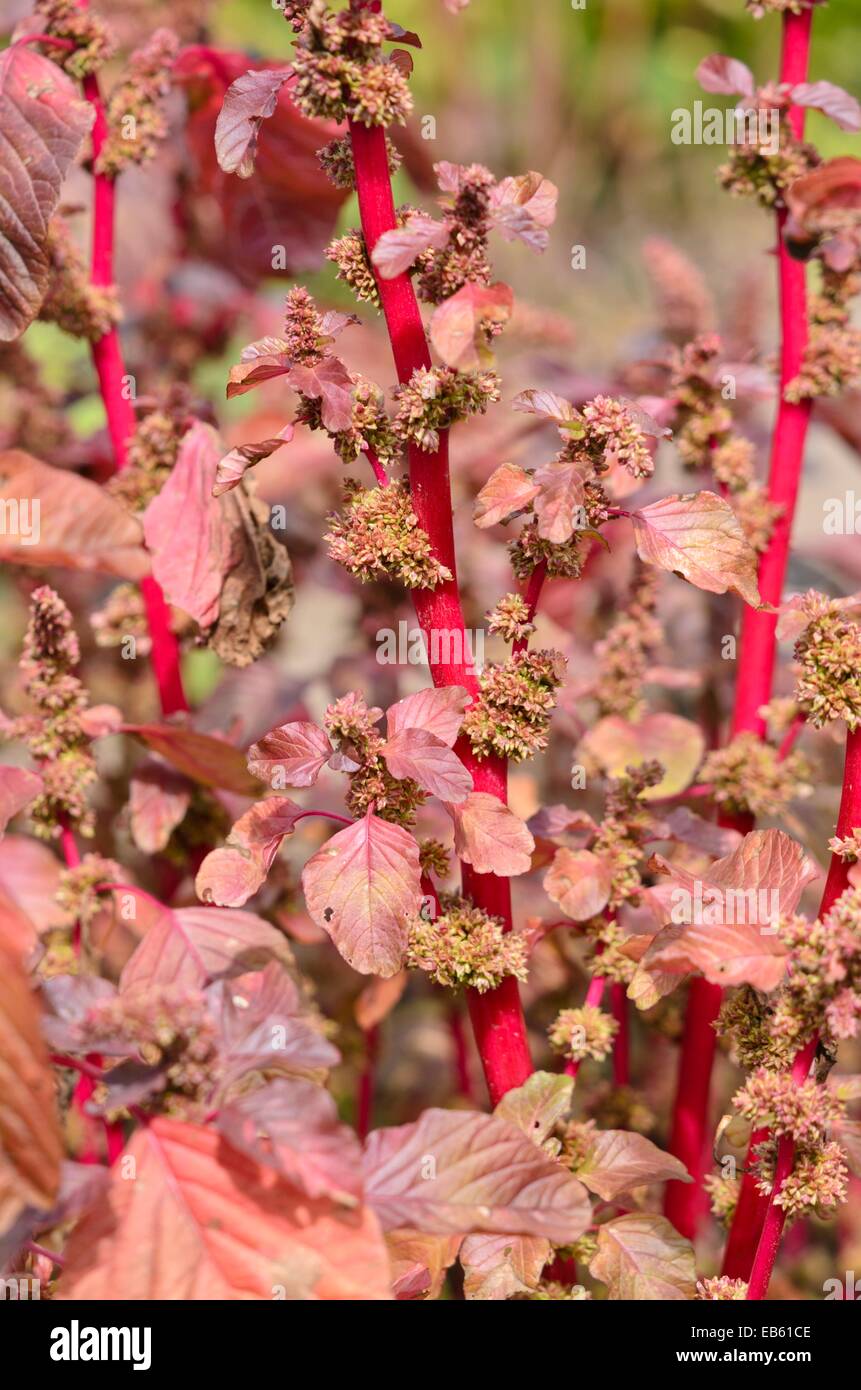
[615, 436]
[336, 160]
[510, 618]
[721, 1288]
[828, 653]
[136, 122]
[619, 844]
[512, 714]
[93, 40]
[56, 737]
[583, 1032]
[463, 259]
[152, 450]
[76, 890]
[756, 169]
[121, 616]
[465, 948]
[564, 560]
[749, 777]
[351, 725]
[723, 1196]
[623, 654]
[377, 536]
[79, 308]
[171, 1029]
[435, 397]
[350, 254]
[341, 70]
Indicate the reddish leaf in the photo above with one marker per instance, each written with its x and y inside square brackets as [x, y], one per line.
[698, 536]
[642, 1257]
[159, 797]
[53, 517]
[438, 710]
[676, 743]
[522, 208]
[362, 887]
[618, 1161]
[290, 203]
[420, 1263]
[398, 249]
[457, 1171]
[418, 754]
[579, 882]
[18, 788]
[192, 574]
[233, 467]
[229, 876]
[247, 103]
[265, 1028]
[43, 121]
[211, 761]
[491, 837]
[560, 501]
[200, 1221]
[293, 1127]
[832, 101]
[254, 369]
[291, 755]
[508, 490]
[458, 326]
[550, 407]
[498, 1267]
[378, 998]
[726, 76]
[31, 1147]
[725, 953]
[538, 1105]
[192, 946]
[331, 384]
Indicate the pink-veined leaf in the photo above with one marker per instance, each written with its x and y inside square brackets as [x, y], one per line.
[438, 710]
[458, 326]
[538, 1105]
[232, 874]
[453, 1172]
[292, 1126]
[699, 536]
[579, 882]
[264, 1028]
[43, 122]
[291, 755]
[617, 1161]
[202, 1221]
[551, 407]
[490, 837]
[508, 490]
[255, 369]
[498, 1267]
[331, 384]
[247, 103]
[642, 1258]
[419, 754]
[192, 946]
[420, 1263]
[362, 887]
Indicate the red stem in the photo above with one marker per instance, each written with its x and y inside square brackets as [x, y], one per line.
[114, 385]
[622, 1043]
[365, 1098]
[594, 995]
[685, 1203]
[836, 884]
[497, 1017]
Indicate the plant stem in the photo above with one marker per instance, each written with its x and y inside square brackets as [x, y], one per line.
[497, 1017]
[114, 385]
[594, 995]
[685, 1203]
[622, 1044]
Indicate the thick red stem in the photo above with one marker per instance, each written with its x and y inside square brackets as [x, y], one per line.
[685, 1204]
[622, 1042]
[497, 1017]
[115, 387]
